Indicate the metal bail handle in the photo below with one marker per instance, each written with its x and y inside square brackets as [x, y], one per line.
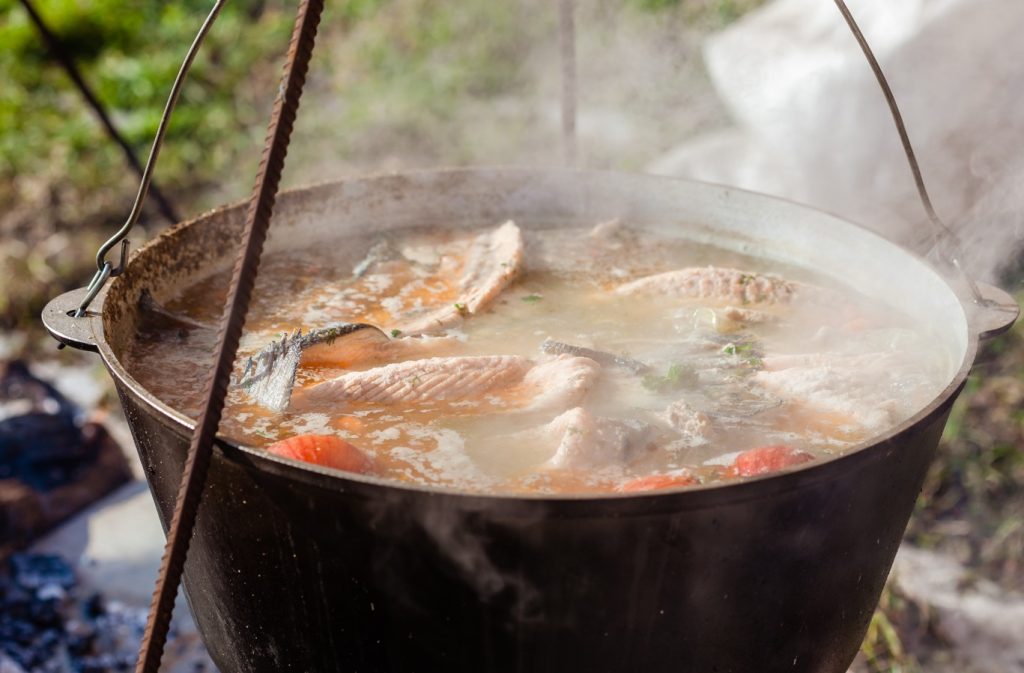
[104, 269]
[948, 245]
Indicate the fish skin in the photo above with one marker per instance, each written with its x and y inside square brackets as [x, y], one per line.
[269, 375]
[716, 284]
[552, 347]
[493, 262]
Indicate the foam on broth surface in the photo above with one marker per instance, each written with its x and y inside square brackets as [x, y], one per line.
[817, 376]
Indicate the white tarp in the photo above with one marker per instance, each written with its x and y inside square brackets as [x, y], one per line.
[812, 125]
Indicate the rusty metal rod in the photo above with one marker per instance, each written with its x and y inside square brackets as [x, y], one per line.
[243, 279]
[943, 234]
[567, 44]
[56, 48]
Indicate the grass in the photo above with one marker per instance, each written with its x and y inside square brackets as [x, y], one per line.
[883, 648]
[972, 502]
[129, 55]
[709, 14]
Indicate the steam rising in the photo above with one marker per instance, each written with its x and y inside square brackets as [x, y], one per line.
[791, 108]
[812, 124]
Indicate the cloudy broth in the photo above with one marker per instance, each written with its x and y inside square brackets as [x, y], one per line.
[685, 384]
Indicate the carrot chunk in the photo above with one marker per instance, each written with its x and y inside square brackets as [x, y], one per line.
[765, 459]
[656, 482]
[323, 450]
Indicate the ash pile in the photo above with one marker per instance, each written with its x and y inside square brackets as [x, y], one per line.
[55, 459]
[46, 627]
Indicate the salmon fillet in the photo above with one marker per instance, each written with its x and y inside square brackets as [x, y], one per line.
[492, 261]
[557, 384]
[504, 380]
[716, 284]
[863, 390]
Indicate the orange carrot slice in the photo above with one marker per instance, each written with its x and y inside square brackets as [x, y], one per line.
[323, 450]
[656, 482]
[765, 459]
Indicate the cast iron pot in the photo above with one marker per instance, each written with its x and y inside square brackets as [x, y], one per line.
[297, 568]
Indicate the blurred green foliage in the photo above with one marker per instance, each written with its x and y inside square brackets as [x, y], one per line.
[387, 73]
[405, 71]
[129, 53]
[707, 13]
[396, 65]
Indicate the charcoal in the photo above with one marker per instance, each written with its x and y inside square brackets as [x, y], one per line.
[10, 665]
[32, 571]
[41, 441]
[45, 627]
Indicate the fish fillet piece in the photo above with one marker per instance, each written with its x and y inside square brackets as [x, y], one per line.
[557, 384]
[492, 261]
[502, 380]
[433, 379]
[748, 316]
[868, 390]
[588, 442]
[269, 374]
[694, 426]
[715, 284]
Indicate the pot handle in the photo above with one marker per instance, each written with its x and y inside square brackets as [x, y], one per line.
[60, 320]
[105, 270]
[996, 313]
[993, 310]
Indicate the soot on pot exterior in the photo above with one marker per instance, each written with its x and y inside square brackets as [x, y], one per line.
[295, 568]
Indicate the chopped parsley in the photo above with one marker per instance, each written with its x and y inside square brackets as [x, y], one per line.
[532, 298]
[750, 357]
[677, 377]
[741, 349]
[395, 333]
[461, 308]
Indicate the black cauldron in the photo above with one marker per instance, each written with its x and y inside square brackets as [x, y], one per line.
[296, 568]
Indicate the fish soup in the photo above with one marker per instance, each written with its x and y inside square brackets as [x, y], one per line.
[536, 358]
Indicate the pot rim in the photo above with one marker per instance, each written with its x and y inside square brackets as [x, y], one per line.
[731, 491]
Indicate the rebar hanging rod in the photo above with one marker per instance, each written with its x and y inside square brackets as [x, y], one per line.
[567, 48]
[243, 279]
